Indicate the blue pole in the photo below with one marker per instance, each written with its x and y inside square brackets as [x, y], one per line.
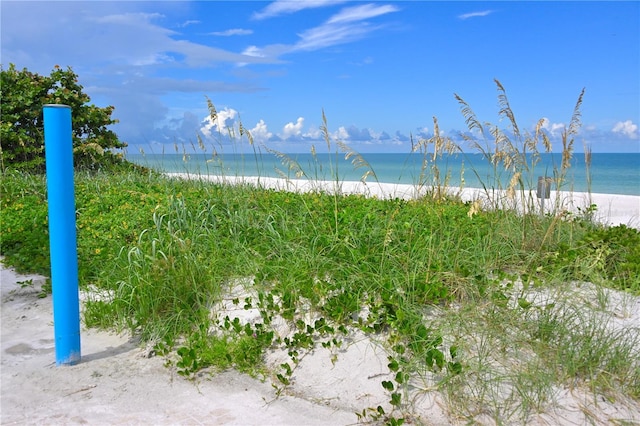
[62, 233]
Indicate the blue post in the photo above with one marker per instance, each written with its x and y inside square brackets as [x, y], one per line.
[58, 144]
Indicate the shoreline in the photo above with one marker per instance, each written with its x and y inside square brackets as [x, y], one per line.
[612, 209]
[608, 173]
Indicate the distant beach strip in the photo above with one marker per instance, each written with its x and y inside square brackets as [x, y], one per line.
[606, 174]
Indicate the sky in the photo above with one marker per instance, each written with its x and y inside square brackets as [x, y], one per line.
[380, 71]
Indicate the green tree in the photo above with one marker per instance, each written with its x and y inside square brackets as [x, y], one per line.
[22, 96]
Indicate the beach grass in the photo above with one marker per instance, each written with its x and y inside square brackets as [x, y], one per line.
[470, 299]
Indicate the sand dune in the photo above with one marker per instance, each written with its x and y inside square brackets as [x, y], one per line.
[117, 382]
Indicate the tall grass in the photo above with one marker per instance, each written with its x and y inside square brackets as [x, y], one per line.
[516, 154]
[430, 178]
[522, 350]
[442, 282]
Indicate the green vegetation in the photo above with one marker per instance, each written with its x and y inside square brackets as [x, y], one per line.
[446, 285]
[23, 94]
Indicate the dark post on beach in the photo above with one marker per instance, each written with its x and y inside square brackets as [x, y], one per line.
[58, 144]
[544, 191]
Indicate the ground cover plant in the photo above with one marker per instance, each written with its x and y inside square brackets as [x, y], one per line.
[452, 289]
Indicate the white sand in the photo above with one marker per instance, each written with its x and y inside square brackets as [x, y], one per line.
[117, 383]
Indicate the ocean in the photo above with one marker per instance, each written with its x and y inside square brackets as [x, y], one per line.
[607, 174]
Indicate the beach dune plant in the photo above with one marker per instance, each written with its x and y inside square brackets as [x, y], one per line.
[514, 154]
[442, 290]
[432, 150]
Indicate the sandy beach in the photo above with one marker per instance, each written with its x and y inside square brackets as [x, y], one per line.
[118, 381]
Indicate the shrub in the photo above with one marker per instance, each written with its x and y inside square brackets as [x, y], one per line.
[23, 95]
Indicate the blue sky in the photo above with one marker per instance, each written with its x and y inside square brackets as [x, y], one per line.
[380, 70]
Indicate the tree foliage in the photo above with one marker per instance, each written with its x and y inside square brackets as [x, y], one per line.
[22, 96]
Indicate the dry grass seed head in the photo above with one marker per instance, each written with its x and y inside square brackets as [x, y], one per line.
[325, 130]
[540, 133]
[421, 145]
[567, 150]
[450, 147]
[291, 164]
[470, 117]
[200, 142]
[531, 143]
[513, 182]
[567, 134]
[505, 108]
[213, 114]
[587, 155]
[576, 122]
[358, 160]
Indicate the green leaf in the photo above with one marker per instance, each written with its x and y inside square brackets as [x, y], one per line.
[454, 367]
[395, 399]
[453, 351]
[524, 303]
[401, 377]
[393, 365]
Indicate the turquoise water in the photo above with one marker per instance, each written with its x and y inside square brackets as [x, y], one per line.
[609, 173]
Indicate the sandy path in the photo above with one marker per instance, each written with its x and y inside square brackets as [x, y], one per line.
[116, 384]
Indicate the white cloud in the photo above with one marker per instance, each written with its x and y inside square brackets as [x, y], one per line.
[292, 130]
[356, 134]
[359, 13]
[330, 35]
[284, 7]
[133, 19]
[314, 134]
[103, 36]
[348, 25]
[254, 51]
[606, 139]
[232, 32]
[345, 26]
[152, 59]
[553, 128]
[400, 137]
[341, 134]
[475, 14]
[626, 128]
[224, 123]
[422, 131]
[189, 22]
[207, 127]
[260, 132]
